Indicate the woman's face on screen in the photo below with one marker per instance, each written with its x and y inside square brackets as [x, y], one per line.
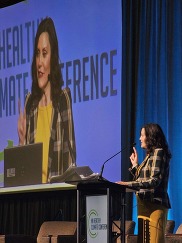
[43, 57]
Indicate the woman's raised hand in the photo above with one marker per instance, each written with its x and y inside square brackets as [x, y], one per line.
[21, 124]
[134, 157]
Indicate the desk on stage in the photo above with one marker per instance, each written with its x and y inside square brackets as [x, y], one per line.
[23, 209]
[36, 188]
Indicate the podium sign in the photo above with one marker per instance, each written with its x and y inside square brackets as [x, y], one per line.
[97, 215]
[98, 204]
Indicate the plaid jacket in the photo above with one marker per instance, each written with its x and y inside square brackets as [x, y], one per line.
[151, 178]
[62, 147]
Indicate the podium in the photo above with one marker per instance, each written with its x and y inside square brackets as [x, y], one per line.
[96, 201]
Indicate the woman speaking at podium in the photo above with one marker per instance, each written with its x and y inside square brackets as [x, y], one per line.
[151, 179]
[47, 116]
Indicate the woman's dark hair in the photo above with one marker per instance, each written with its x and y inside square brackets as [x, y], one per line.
[55, 78]
[155, 138]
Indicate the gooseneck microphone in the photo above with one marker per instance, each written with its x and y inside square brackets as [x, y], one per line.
[102, 169]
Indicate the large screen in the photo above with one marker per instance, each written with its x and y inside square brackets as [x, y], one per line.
[89, 35]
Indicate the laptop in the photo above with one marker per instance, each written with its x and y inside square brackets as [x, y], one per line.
[23, 165]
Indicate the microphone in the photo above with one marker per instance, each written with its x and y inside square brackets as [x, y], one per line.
[102, 169]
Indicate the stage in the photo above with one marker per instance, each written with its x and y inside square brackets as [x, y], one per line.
[23, 209]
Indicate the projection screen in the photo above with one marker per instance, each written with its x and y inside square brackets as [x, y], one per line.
[89, 35]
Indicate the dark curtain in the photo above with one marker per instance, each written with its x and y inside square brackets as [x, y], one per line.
[24, 213]
[152, 84]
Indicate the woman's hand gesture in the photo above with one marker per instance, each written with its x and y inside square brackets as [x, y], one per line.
[134, 158]
[21, 125]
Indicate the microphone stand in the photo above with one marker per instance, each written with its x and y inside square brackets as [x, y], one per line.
[102, 169]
